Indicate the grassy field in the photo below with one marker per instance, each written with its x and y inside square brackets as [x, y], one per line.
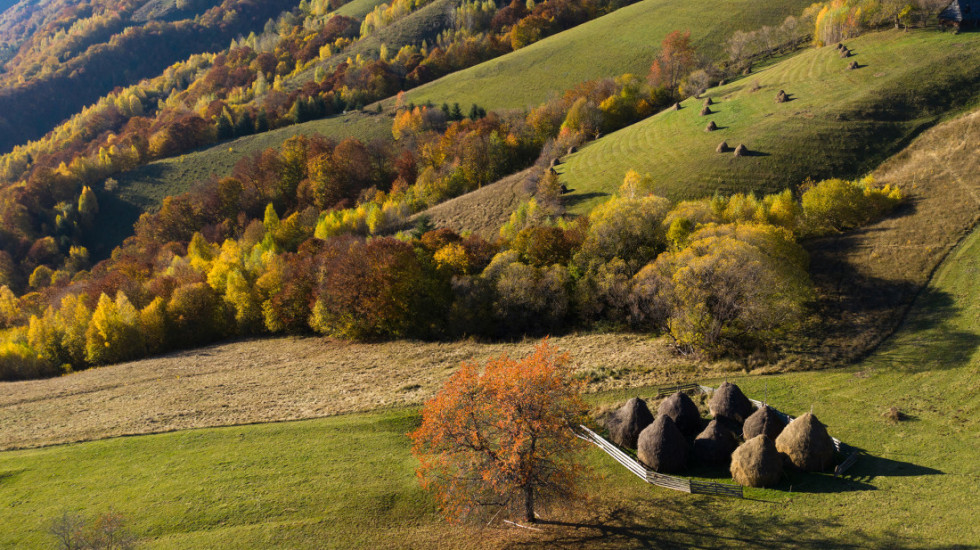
[624, 41]
[348, 481]
[358, 8]
[145, 188]
[838, 123]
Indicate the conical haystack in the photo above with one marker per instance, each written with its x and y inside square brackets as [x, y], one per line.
[707, 101]
[662, 446]
[628, 421]
[722, 147]
[757, 463]
[765, 421]
[741, 150]
[714, 446]
[711, 127]
[781, 97]
[729, 402]
[705, 110]
[852, 65]
[807, 444]
[683, 412]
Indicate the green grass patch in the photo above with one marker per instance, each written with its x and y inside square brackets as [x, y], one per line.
[348, 481]
[624, 41]
[358, 8]
[838, 122]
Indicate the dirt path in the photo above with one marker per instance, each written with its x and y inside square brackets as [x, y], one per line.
[286, 379]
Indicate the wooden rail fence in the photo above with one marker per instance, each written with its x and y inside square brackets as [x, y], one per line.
[690, 485]
[656, 478]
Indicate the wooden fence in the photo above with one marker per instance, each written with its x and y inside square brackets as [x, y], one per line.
[655, 478]
[690, 485]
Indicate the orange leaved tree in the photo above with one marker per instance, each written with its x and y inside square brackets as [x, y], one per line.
[677, 58]
[502, 437]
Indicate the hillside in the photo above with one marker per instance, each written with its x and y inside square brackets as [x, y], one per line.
[349, 480]
[143, 189]
[629, 37]
[838, 123]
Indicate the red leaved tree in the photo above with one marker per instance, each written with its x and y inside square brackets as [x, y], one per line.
[677, 58]
[502, 438]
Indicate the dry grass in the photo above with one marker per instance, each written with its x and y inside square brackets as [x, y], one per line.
[483, 211]
[869, 277]
[289, 378]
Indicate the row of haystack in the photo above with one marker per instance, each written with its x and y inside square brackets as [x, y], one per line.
[667, 442]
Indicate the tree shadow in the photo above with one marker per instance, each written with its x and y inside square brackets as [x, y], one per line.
[696, 525]
[571, 199]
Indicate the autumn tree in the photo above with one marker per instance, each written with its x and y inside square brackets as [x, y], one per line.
[677, 58]
[501, 438]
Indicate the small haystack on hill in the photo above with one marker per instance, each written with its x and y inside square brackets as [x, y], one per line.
[852, 65]
[711, 127]
[806, 444]
[707, 101]
[628, 421]
[682, 410]
[722, 147]
[705, 111]
[781, 97]
[714, 446]
[765, 421]
[757, 463]
[741, 150]
[662, 446]
[729, 402]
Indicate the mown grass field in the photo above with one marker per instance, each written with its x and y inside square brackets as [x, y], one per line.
[624, 41]
[143, 189]
[347, 481]
[838, 123]
[358, 8]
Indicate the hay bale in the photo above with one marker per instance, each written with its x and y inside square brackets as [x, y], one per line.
[894, 414]
[852, 65]
[844, 52]
[741, 150]
[682, 410]
[711, 127]
[781, 97]
[662, 447]
[722, 147]
[806, 443]
[729, 402]
[572, 149]
[756, 463]
[705, 111]
[707, 101]
[676, 107]
[714, 446]
[628, 421]
[764, 421]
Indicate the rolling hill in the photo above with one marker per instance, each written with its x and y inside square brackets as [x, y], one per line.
[837, 123]
[629, 37]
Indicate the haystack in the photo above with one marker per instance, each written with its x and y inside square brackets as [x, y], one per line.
[662, 446]
[852, 65]
[781, 97]
[757, 463]
[711, 127]
[741, 150]
[628, 421]
[841, 46]
[806, 444]
[682, 410]
[715, 444]
[705, 111]
[729, 402]
[722, 147]
[764, 421]
[707, 101]
[676, 107]
[844, 52]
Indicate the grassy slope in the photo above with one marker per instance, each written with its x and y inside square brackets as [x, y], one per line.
[348, 481]
[838, 122]
[358, 8]
[143, 189]
[623, 41]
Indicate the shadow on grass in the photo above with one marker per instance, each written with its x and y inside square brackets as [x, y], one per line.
[570, 200]
[696, 525]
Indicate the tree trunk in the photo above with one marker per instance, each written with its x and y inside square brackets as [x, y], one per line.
[529, 504]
